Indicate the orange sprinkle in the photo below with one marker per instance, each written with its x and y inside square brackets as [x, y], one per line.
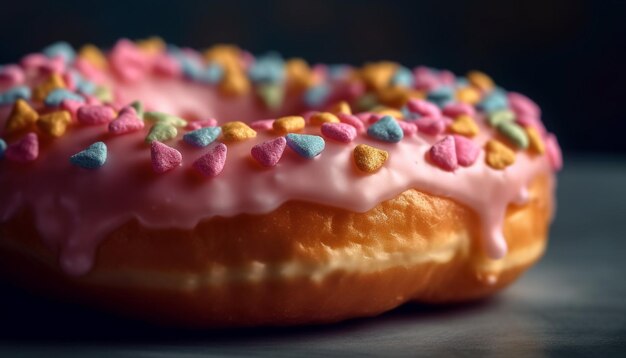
[289, 124]
[320, 118]
[464, 125]
[54, 124]
[22, 116]
[499, 156]
[54, 81]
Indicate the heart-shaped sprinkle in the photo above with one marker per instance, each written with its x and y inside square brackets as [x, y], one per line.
[237, 131]
[408, 128]
[288, 124]
[454, 110]
[467, 150]
[369, 159]
[203, 136]
[386, 129]
[306, 145]
[22, 117]
[431, 125]
[25, 150]
[92, 157]
[54, 124]
[423, 108]
[535, 143]
[443, 154]
[262, 125]
[319, 118]
[341, 132]
[95, 114]
[269, 153]
[464, 125]
[514, 133]
[56, 96]
[209, 122]
[164, 158]
[499, 156]
[212, 163]
[353, 121]
[126, 122]
[164, 118]
[161, 132]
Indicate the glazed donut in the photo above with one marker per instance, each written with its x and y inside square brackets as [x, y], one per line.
[217, 188]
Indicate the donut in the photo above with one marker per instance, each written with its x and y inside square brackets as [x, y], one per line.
[216, 188]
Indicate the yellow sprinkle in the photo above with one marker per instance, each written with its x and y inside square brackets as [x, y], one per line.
[386, 111]
[377, 75]
[53, 82]
[464, 125]
[289, 124]
[236, 131]
[369, 159]
[234, 84]
[54, 124]
[499, 156]
[226, 55]
[151, 45]
[22, 116]
[536, 143]
[320, 118]
[480, 80]
[93, 55]
[340, 107]
[468, 95]
[299, 73]
[395, 96]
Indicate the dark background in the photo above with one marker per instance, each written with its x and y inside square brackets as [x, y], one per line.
[568, 55]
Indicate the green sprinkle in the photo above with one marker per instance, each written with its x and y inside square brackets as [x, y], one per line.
[164, 118]
[138, 106]
[367, 102]
[272, 95]
[501, 116]
[103, 94]
[514, 133]
[161, 132]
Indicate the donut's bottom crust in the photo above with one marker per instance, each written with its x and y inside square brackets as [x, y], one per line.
[300, 264]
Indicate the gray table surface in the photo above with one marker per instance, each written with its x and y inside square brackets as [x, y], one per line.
[573, 303]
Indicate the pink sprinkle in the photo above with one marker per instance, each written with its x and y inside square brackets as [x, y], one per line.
[202, 123]
[246, 59]
[212, 163]
[423, 108]
[262, 124]
[33, 61]
[454, 110]
[25, 150]
[425, 79]
[89, 71]
[164, 158]
[166, 66]
[269, 153]
[71, 106]
[91, 100]
[408, 128]
[554, 152]
[53, 65]
[443, 154]
[128, 61]
[11, 75]
[446, 78]
[523, 105]
[364, 116]
[307, 115]
[126, 122]
[466, 150]
[431, 125]
[355, 90]
[353, 121]
[341, 132]
[94, 114]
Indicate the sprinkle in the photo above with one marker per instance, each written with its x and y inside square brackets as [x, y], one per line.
[166, 66]
[408, 128]
[341, 107]
[95, 114]
[13, 94]
[22, 116]
[164, 118]
[289, 124]
[423, 108]
[235, 84]
[366, 102]
[236, 131]
[464, 125]
[269, 153]
[431, 125]
[529, 121]
[299, 73]
[319, 118]
[164, 158]
[443, 154]
[341, 132]
[268, 68]
[514, 133]
[93, 55]
[55, 123]
[353, 121]
[41, 91]
[93, 157]
[138, 106]
[203, 136]
[441, 96]
[493, 101]
[25, 150]
[468, 95]
[535, 142]
[454, 110]
[212, 163]
[500, 116]
[316, 96]
[369, 159]
[480, 80]
[62, 49]
[193, 125]
[103, 94]
[262, 125]
[271, 94]
[126, 122]
[467, 150]
[386, 130]
[554, 152]
[127, 61]
[306, 145]
[403, 77]
[499, 156]
[386, 111]
[161, 132]
[211, 74]
[522, 105]
[11, 75]
[3, 147]
[56, 96]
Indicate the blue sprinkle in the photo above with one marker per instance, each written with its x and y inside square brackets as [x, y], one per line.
[203, 136]
[15, 93]
[91, 158]
[3, 147]
[86, 87]
[336, 72]
[441, 96]
[403, 77]
[408, 115]
[269, 68]
[62, 49]
[316, 96]
[494, 101]
[212, 74]
[461, 82]
[386, 129]
[56, 96]
[306, 145]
